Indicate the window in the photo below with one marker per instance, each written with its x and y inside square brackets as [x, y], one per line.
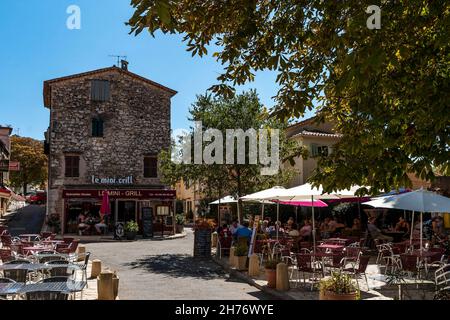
[72, 166]
[150, 167]
[317, 150]
[97, 127]
[100, 90]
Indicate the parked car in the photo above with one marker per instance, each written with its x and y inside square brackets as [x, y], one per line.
[28, 195]
[38, 198]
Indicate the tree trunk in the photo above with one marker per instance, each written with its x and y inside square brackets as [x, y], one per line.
[239, 187]
[25, 185]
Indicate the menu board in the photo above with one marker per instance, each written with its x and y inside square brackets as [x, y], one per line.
[147, 222]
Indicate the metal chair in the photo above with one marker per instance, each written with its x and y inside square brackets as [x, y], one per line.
[6, 280]
[59, 271]
[18, 275]
[306, 264]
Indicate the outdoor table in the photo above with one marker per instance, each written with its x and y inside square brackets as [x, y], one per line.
[26, 266]
[339, 241]
[29, 236]
[33, 250]
[69, 286]
[400, 283]
[331, 247]
[10, 288]
[396, 235]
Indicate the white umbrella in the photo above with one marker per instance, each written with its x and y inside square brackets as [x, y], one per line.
[419, 200]
[267, 194]
[227, 199]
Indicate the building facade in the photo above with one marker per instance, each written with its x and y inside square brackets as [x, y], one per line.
[318, 138]
[5, 150]
[106, 128]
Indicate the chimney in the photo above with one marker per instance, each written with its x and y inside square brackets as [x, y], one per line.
[124, 65]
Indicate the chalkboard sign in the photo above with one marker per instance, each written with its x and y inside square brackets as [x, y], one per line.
[119, 231]
[147, 222]
[202, 243]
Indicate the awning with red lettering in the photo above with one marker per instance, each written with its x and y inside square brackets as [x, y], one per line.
[143, 194]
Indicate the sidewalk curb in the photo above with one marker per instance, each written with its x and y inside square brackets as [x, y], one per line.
[250, 281]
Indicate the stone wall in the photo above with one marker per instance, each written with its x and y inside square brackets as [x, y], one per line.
[136, 123]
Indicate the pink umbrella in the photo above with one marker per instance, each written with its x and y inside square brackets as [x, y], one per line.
[316, 203]
[105, 209]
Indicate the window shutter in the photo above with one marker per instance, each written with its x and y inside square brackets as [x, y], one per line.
[100, 90]
[314, 150]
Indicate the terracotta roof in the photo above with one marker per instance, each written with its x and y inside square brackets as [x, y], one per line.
[306, 133]
[47, 84]
[302, 122]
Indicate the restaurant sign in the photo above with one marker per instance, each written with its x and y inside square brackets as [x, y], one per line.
[112, 180]
[121, 194]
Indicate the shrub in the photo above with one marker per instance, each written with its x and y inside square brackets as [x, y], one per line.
[338, 283]
[180, 220]
[241, 250]
[131, 226]
[272, 264]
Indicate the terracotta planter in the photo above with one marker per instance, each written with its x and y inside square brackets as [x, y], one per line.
[271, 277]
[241, 263]
[328, 295]
[179, 228]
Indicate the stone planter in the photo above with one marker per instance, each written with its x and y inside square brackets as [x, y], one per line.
[328, 295]
[241, 264]
[271, 277]
[130, 235]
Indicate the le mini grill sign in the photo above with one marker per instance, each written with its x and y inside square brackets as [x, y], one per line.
[112, 180]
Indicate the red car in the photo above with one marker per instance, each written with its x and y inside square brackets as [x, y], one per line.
[38, 198]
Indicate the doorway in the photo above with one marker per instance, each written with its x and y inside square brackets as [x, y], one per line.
[126, 211]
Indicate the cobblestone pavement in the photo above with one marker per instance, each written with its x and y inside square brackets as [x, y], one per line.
[166, 270]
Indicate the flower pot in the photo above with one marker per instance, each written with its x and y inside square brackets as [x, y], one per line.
[271, 277]
[130, 235]
[241, 263]
[328, 295]
[179, 228]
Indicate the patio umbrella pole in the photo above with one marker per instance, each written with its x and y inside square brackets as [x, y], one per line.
[313, 225]
[278, 217]
[421, 231]
[411, 229]
[296, 214]
[262, 212]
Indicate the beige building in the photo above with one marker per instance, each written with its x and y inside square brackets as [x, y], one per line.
[5, 149]
[318, 138]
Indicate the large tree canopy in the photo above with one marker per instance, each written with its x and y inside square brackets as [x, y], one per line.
[33, 162]
[243, 111]
[386, 89]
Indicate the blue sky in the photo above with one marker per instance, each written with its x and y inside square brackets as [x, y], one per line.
[37, 46]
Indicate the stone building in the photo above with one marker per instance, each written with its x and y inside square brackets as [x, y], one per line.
[106, 128]
[5, 150]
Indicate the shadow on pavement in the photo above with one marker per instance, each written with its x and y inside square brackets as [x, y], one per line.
[178, 265]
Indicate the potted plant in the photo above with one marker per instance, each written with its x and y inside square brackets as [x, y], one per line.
[338, 287]
[271, 272]
[54, 223]
[131, 230]
[241, 253]
[180, 220]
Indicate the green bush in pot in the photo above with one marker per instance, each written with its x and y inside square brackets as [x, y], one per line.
[131, 230]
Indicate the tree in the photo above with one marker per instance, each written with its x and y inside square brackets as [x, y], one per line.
[33, 162]
[386, 89]
[243, 111]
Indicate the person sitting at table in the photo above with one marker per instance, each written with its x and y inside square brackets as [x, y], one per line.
[294, 232]
[402, 226]
[289, 223]
[324, 233]
[82, 225]
[306, 231]
[244, 232]
[100, 226]
[375, 233]
[356, 226]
